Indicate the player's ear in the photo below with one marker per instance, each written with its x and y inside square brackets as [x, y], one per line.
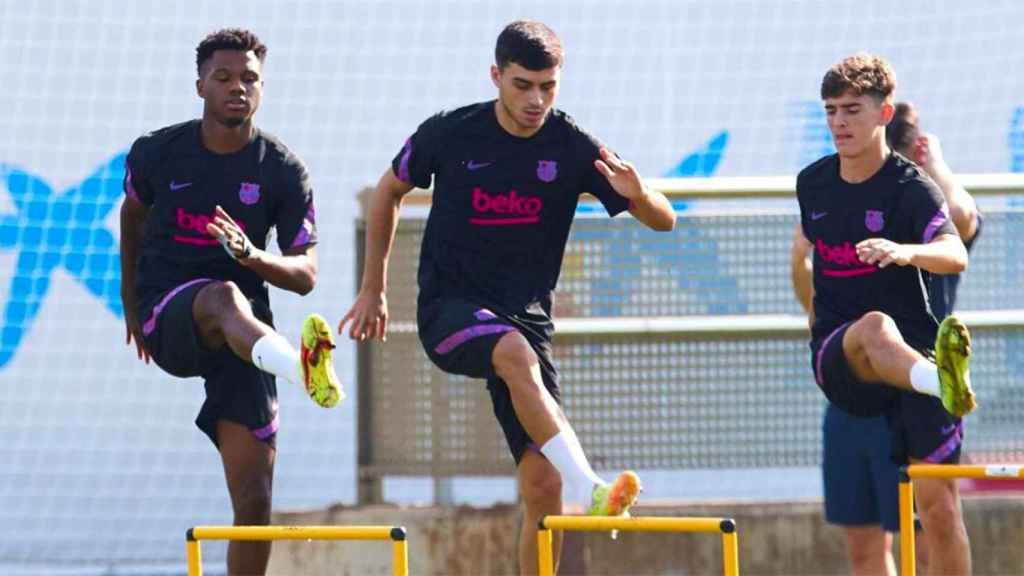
[199, 87]
[496, 75]
[888, 110]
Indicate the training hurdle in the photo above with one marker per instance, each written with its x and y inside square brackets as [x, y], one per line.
[727, 526]
[908, 566]
[400, 552]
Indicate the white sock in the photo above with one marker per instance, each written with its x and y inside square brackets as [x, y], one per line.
[924, 377]
[563, 450]
[272, 353]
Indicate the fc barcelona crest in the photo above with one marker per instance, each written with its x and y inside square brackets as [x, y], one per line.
[874, 220]
[547, 170]
[249, 193]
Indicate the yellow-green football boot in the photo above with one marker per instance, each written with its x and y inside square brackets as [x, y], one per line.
[318, 375]
[952, 356]
[615, 499]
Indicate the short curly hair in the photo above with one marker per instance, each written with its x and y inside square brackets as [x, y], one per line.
[860, 74]
[228, 39]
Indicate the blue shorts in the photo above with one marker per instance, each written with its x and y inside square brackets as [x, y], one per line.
[860, 476]
[235, 389]
[459, 337]
[920, 427]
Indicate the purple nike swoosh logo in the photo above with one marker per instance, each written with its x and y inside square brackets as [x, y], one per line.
[474, 165]
[818, 215]
[176, 186]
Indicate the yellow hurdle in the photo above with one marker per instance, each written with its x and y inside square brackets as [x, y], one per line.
[908, 567]
[400, 552]
[727, 527]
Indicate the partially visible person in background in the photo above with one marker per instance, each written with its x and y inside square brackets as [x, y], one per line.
[905, 137]
[859, 473]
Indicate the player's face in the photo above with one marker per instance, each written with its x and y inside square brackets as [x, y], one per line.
[857, 123]
[231, 86]
[526, 96]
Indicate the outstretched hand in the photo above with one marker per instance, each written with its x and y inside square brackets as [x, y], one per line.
[231, 236]
[621, 175]
[369, 317]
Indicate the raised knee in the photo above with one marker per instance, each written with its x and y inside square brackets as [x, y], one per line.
[875, 329]
[225, 296]
[512, 355]
[877, 321]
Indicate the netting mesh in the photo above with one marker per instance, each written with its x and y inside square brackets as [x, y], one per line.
[673, 401]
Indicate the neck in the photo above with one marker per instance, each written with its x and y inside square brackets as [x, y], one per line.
[221, 139]
[509, 124]
[857, 169]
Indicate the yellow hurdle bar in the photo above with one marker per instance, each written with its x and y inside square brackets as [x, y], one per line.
[726, 526]
[996, 471]
[400, 554]
[908, 566]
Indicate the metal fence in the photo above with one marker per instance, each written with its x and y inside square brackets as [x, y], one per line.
[676, 351]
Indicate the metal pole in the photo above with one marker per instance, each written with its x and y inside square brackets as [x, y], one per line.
[545, 557]
[195, 557]
[730, 548]
[908, 565]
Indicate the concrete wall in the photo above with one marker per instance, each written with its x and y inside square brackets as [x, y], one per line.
[788, 538]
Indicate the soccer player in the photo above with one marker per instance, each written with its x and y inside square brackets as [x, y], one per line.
[200, 199]
[860, 477]
[880, 228]
[507, 176]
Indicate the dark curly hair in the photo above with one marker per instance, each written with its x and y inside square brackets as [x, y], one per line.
[530, 44]
[228, 39]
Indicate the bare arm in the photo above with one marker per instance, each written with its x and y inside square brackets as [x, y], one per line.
[654, 210]
[963, 210]
[945, 254]
[369, 313]
[801, 270]
[133, 220]
[294, 270]
[646, 205]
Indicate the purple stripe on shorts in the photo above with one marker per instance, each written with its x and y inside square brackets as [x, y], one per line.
[457, 339]
[817, 360]
[484, 314]
[403, 164]
[129, 188]
[267, 431]
[948, 447]
[150, 324]
[933, 225]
